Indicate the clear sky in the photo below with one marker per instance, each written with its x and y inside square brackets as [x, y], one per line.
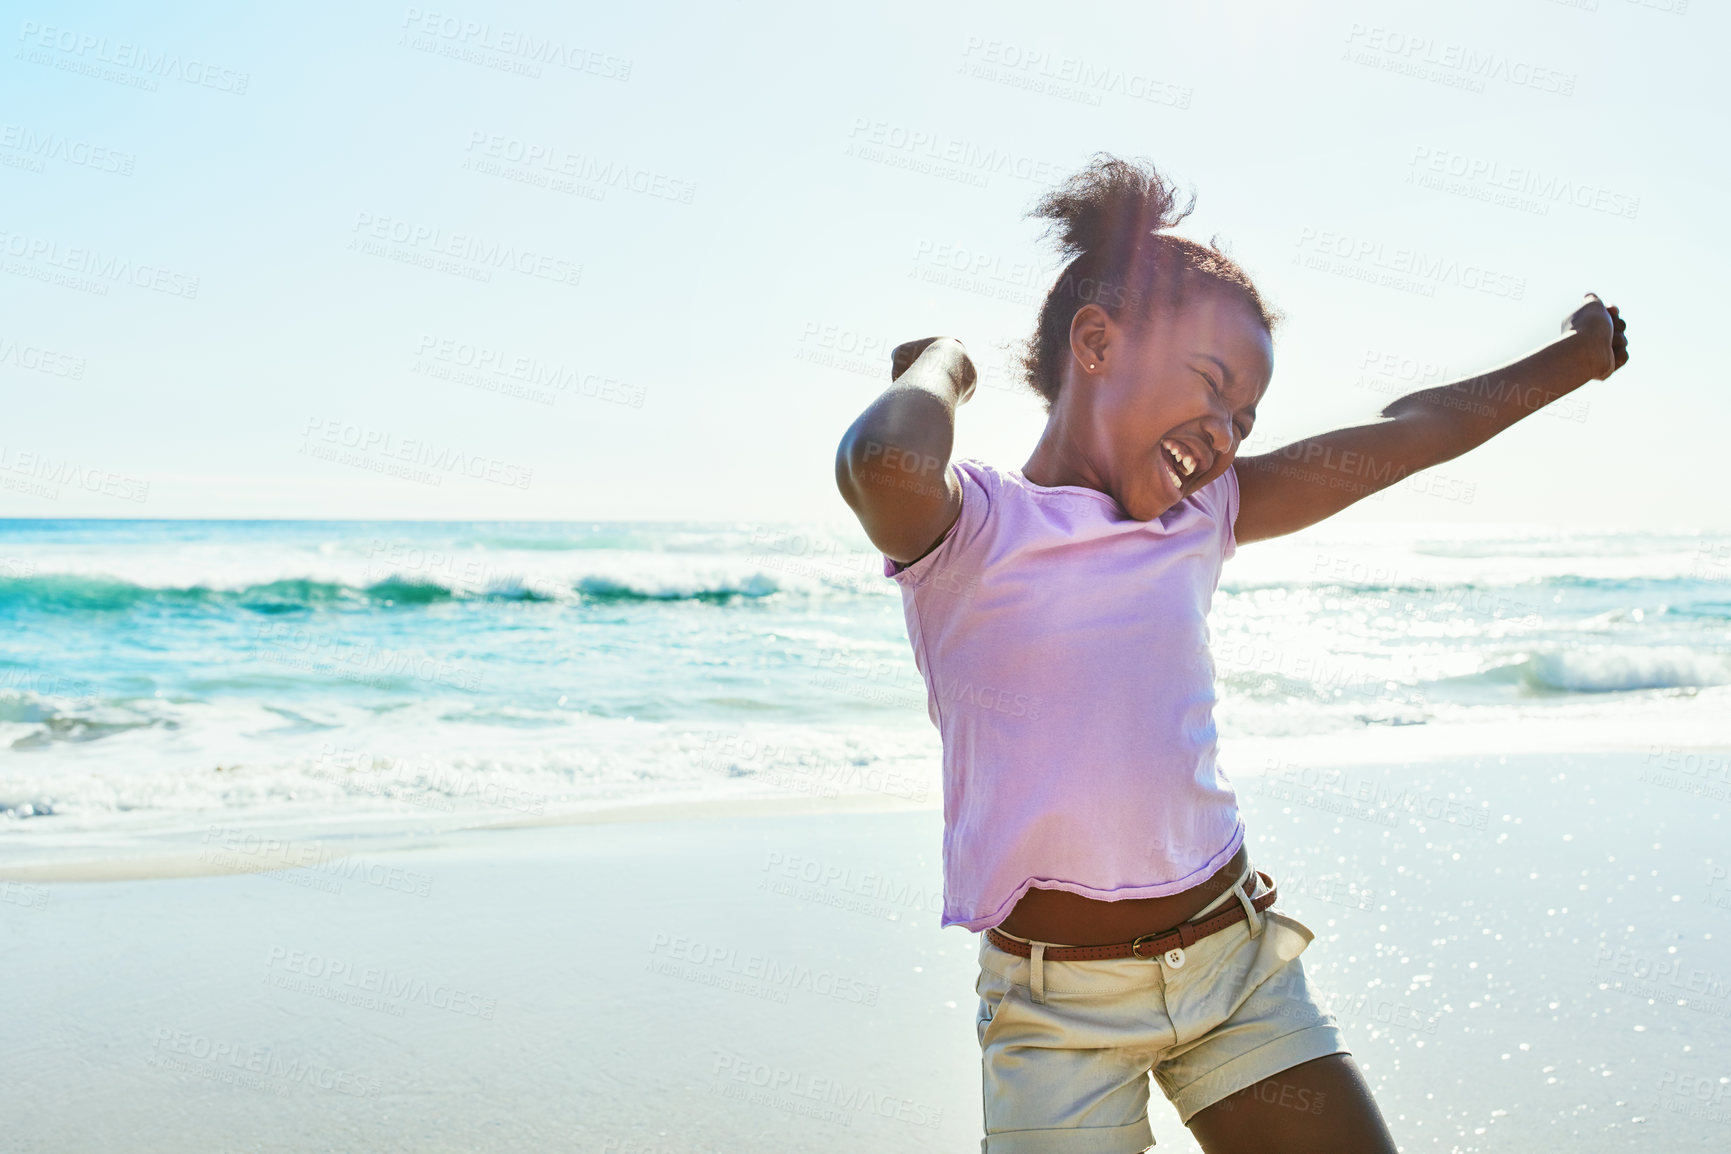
[647, 260]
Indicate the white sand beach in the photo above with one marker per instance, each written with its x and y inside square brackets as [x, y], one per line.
[452, 700]
[1525, 954]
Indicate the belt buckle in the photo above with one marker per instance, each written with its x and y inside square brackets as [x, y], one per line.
[1136, 943]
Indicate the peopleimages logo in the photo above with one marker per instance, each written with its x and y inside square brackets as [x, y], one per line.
[252, 1066]
[386, 445]
[40, 146]
[43, 467]
[538, 375]
[1065, 77]
[40, 360]
[798, 1086]
[694, 959]
[1428, 167]
[328, 974]
[84, 51]
[475, 40]
[1398, 266]
[554, 160]
[103, 268]
[376, 235]
[879, 140]
[1456, 65]
[987, 697]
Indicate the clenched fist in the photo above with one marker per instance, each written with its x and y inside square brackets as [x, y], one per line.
[954, 359]
[1604, 335]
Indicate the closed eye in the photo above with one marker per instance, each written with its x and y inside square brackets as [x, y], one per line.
[1244, 430]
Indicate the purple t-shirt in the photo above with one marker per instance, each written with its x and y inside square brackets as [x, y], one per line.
[1065, 654]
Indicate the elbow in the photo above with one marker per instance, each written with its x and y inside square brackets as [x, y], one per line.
[863, 461]
[849, 468]
[897, 512]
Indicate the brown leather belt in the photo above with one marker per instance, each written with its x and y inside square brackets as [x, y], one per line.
[1148, 945]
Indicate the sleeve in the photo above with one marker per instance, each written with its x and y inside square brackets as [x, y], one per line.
[1219, 498]
[1229, 512]
[949, 556]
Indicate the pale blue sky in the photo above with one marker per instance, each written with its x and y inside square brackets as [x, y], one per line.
[697, 344]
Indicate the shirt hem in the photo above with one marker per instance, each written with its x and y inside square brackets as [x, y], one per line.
[1162, 890]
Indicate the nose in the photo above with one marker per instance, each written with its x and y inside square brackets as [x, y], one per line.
[1218, 428]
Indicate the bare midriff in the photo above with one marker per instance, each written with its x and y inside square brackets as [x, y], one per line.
[1070, 919]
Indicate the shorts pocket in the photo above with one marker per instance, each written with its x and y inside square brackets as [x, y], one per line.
[1266, 957]
[1294, 928]
[1228, 968]
[991, 988]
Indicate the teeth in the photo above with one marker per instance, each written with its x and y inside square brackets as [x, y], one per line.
[1184, 460]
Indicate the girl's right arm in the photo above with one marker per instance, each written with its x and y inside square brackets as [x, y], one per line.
[893, 463]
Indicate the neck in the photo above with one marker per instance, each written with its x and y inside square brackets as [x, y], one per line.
[1063, 455]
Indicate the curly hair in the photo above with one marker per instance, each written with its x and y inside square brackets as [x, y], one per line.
[1111, 220]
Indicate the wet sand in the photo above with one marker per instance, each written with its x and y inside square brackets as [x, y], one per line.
[1525, 954]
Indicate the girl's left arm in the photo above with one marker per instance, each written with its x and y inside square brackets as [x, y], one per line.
[1313, 479]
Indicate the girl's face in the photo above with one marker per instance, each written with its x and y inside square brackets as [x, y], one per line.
[1169, 402]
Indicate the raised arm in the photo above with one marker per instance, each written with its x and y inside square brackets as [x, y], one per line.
[893, 463]
[1313, 479]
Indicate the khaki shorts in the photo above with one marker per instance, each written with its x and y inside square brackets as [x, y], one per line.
[1067, 1047]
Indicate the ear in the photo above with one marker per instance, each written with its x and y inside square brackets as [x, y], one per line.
[1093, 334]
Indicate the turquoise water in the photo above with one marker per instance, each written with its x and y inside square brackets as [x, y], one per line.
[160, 670]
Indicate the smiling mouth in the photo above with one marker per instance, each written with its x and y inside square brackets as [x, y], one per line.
[1178, 462]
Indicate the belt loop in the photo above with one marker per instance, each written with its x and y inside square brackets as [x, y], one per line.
[1251, 913]
[1037, 976]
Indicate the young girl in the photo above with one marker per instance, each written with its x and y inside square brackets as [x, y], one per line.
[1058, 615]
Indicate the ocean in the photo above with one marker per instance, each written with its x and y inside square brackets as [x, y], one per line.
[158, 675]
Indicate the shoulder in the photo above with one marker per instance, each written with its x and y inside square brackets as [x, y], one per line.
[1221, 493]
[1219, 500]
[984, 488]
[983, 476]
